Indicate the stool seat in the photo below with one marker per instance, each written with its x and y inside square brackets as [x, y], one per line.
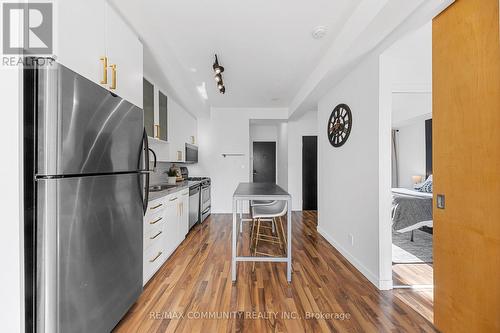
[275, 209]
[261, 202]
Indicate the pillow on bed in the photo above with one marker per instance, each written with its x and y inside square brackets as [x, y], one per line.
[427, 185]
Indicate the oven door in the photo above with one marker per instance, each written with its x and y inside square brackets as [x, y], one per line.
[194, 205]
[205, 200]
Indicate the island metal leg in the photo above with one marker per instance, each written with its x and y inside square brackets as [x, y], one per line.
[289, 241]
[233, 252]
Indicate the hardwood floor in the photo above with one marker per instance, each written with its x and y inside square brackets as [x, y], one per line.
[193, 291]
[412, 274]
[421, 299]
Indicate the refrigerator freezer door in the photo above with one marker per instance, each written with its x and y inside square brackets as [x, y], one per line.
[82, 128]
[89, 251]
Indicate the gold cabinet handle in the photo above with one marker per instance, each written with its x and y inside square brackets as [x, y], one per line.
[157, 131]
[157, 206]
[173, 199]
[113, 77]
[104, 62]
[158, 234]
[157, 256]
[156, 221]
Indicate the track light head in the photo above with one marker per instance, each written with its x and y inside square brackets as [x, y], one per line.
[218, 69]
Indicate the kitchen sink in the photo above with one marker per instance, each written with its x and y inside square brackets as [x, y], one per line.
[163, 187]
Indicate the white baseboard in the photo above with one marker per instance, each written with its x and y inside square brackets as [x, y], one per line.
[380, 284]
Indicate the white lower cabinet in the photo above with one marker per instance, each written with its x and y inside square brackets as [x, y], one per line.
[171, 239]
[166, 224]
[184, 213]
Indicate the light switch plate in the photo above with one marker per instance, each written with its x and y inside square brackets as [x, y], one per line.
[440, 202]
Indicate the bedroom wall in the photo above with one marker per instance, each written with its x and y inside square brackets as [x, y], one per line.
[411, 152]
[354, 180]
[410, 70]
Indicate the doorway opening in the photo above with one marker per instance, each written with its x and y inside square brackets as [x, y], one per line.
[264, 162]
[408, 65]
[309, 173]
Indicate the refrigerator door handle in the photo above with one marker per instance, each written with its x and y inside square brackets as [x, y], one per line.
[146, 194]
[145, 147]
[146, 170]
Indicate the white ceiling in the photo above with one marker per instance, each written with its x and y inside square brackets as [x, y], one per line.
[266, 46]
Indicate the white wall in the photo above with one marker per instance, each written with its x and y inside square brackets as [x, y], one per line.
[411, 152]
[282, 155]
[408, 108]
[228, 131]
[411, 56]
[260, 132]
[11, 246]
[354, 181]
[351, 178]
[275, 131]
[409, 66]
[306, 125]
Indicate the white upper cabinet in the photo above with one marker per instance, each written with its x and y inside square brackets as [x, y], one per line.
[79, 36]
[95, 42]
[182, 130]
[124, 51]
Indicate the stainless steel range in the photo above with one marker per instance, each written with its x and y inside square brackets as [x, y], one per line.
[199, 197]
[205, 206]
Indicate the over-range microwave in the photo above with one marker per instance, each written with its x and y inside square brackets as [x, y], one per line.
[191, 153]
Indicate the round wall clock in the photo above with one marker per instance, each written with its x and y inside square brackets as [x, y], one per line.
[339, 125]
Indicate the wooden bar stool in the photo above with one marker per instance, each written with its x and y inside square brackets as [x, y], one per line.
[268, 213]
[255, 203]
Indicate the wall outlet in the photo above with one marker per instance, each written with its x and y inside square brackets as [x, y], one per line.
[351, 239]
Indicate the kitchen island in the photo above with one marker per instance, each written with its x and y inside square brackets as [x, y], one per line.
[261, 191]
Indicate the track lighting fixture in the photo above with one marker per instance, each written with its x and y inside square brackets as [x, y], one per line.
[218, 69]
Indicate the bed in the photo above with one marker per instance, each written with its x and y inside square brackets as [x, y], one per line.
[411, 209]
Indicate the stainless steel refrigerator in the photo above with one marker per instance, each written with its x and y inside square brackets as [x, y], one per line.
[85, 178]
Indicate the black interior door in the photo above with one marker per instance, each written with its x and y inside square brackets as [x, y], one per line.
[264, 162]
[309, 172]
